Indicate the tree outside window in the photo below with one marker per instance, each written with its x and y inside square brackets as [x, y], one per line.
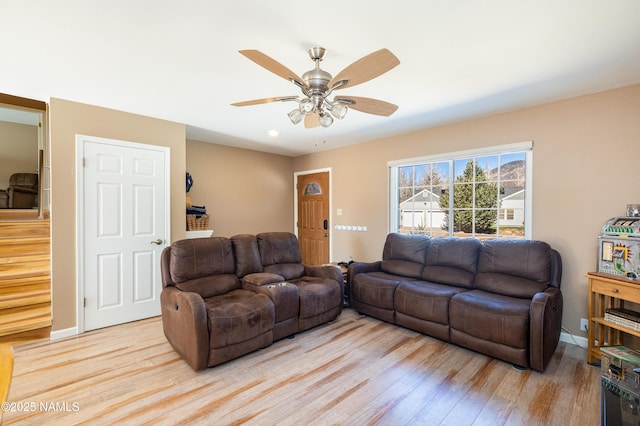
[475, 201]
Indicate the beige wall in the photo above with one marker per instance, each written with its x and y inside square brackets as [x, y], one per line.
[585, 170]
[18, 150]
[244, 191]
[68, 119]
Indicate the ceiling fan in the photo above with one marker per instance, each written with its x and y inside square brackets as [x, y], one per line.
[317, 84]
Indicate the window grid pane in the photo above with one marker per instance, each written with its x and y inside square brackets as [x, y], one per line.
[488, 197]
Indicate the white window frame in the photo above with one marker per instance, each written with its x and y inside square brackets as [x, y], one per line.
[527, 147]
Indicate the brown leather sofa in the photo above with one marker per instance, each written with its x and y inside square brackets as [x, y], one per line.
[498, 297]
[223, 298]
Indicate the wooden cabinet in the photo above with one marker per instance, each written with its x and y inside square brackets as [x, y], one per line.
[608, 291]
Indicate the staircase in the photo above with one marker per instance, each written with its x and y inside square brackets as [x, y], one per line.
[25, 276]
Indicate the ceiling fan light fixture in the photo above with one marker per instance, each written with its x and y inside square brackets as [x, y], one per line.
[326, 120]
[295, 116]
[306, 106]
[317, 84]
[338, 110]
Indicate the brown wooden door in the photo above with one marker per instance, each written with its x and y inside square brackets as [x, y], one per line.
[313, 217]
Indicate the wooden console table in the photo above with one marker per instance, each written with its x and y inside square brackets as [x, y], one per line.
[607, 291]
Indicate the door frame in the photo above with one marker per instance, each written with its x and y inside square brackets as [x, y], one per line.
[295, 203]
[79, 190]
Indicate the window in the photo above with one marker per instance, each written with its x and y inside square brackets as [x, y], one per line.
[481, 193]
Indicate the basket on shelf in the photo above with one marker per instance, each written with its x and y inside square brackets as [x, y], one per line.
[197, 222]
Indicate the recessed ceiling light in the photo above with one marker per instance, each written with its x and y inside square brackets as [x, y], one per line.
[273, 133]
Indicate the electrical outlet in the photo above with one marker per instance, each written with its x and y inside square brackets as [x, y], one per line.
[584, 324]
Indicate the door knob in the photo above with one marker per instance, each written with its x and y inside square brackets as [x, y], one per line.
[158, 241]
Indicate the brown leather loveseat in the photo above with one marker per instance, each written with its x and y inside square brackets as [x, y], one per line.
[498, 297]
[223, 298]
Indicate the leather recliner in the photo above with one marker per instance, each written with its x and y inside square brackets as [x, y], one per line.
[22, 192]
[206, 315]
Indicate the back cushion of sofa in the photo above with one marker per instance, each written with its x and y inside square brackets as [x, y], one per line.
[519, 268]
[278, 247]
[452, 261]
[245, 250]
[201, 264]
[213, 285]
[404, 255]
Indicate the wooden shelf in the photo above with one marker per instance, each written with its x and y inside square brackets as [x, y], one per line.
[608, 291]
[616, 326]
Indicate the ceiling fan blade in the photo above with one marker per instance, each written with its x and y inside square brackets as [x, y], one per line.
[274, 66]
[265, 101]
[368, 105]
[312, 120]
[365, 69]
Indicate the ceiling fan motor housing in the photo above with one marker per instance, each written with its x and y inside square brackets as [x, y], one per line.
[318, 81]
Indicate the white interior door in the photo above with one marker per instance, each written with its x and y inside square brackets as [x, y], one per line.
[125, 216]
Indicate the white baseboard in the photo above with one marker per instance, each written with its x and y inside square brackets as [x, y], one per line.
[61, 334]
[574, 340]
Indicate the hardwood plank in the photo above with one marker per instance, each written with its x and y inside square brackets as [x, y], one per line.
[31, 228]
[355, 370]
[22, 247]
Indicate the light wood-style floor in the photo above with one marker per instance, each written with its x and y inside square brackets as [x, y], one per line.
[355, 370]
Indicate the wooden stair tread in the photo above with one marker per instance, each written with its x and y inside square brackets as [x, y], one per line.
[23, 259]
[23, 299]
[25, 272]
[25, 325]
[25, 281]
[40, 268]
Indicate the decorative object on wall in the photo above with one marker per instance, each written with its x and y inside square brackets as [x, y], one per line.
[189, 181]
[316, 85]
[197, 217]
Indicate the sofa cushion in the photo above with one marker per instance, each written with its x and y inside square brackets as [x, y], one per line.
[201, 257]
[425, 301]
[278, 247]
[238, 316]
[404, 254]
[452, 261]
[245, 249]
[491, 317]
[317, 295]
[204, 266]
[518, 268]
[211, 286]
[375, 288]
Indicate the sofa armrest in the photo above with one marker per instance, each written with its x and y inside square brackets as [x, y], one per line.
[361, 267]
[325, 271]
[22, 189]
[184, 321]
[545, 315]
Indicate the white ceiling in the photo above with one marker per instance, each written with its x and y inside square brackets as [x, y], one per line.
[179, 60]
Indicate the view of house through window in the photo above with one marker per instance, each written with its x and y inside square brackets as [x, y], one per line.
[481, 194]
